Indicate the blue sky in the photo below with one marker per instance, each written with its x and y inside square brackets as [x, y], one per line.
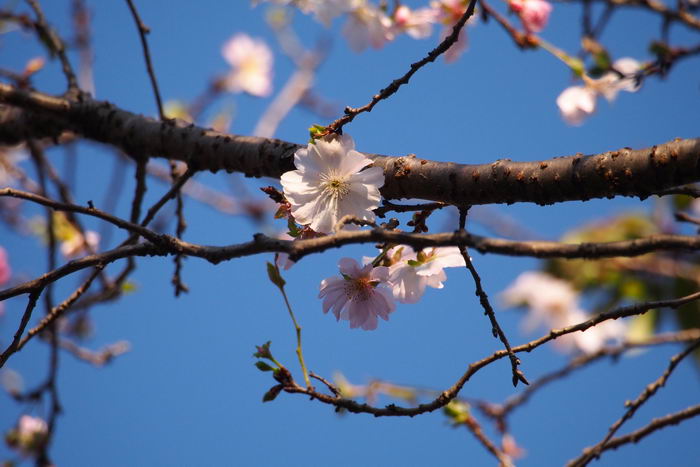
[188, 393]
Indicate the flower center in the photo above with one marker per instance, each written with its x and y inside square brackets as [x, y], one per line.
[359, 288]
[336, 187]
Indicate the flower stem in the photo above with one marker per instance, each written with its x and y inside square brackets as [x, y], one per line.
[297, 329]
[380, 256]
[572, 62]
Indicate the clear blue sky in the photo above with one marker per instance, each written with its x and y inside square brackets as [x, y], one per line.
[188, 393]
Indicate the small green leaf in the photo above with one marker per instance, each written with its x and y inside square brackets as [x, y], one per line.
[273, 273]
[262, 366]
[272, 393]
[414, 263]
[293, 228]
[315, 132]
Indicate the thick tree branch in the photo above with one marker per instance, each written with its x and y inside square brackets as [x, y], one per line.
[623, 172]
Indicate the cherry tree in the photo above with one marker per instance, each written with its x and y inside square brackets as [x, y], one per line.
[81, 240]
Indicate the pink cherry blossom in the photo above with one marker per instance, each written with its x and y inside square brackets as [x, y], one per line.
[413, 272]
[360, 296]
[534, 14]
[5, 271]
[416, 23]
[251, 60]
[448, 12]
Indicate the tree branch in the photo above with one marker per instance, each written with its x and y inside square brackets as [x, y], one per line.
[623, 172]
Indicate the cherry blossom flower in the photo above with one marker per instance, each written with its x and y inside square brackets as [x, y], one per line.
[5, 271]
[578, 102]
[9, 158]
[75, 245]
[534, 14]
[360, 296]
[416, 23]
[448, 12]
[622, 79]
[251, 60]
[329, 183]
[412, 272]
[367, 26]
[29, 435]
[554, 303]
[324, 10]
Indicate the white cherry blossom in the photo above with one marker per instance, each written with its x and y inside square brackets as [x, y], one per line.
[553, 303]
[612, 82]
[576, 103]
[251, 60]
[330, 183]
[360, 296]
[75, 245]
[413, 272]
[367, 26]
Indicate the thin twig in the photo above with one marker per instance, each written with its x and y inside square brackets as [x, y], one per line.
[502, 411]
[594, 452]
[97, 358]
[473, 426]
[488, 309]
[328, 384]
[12, 348]
[683, 217]
[351, 113]
[57, 311]
[143, 31]
[388, 206]
[55, 43]
[655, 425]
[174, 189]
[449, 394]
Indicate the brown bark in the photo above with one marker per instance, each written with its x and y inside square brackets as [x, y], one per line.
[624, 172]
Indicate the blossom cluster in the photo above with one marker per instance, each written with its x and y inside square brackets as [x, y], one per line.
[554, 303]
[370, 25]
[363, 294]
[578, 102]
[331, 181]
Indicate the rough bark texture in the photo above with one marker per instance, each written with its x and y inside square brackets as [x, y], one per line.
[624, 172]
